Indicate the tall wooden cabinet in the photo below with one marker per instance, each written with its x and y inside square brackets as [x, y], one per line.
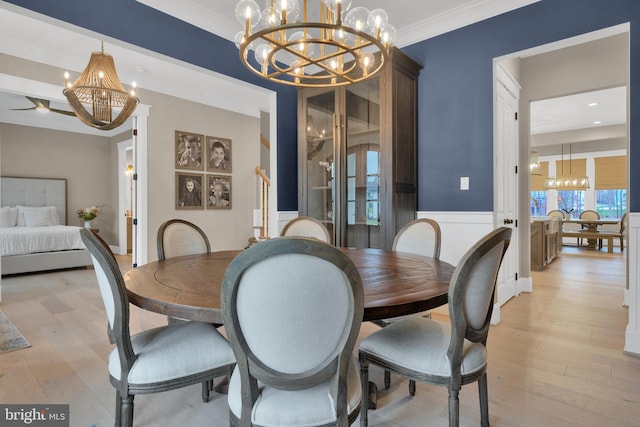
[357, 155]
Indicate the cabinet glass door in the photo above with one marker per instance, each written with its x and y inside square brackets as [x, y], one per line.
[320, 159]
[361, 223]
[342, 162]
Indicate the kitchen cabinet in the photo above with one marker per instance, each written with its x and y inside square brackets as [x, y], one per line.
[546, 241]
[357, 155]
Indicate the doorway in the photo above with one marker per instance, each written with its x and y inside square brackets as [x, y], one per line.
[553, 70]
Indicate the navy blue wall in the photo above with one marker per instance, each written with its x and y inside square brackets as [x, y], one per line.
[455, 110]
[455, 130]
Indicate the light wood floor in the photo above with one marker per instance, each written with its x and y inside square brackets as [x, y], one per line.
[556, 359]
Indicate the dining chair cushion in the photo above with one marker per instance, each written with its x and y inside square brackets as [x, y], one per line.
[281, 408]
[421, 345]
[174, 351]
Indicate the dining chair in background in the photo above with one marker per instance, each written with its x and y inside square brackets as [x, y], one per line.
[565, 226]
[292, 311]
[589, 214]
[444, 354]
[306, 226]
[555, 214]
[155, 360]
[420, 237]
[178, 237]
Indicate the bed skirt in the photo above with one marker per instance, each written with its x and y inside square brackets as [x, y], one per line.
[45, 261]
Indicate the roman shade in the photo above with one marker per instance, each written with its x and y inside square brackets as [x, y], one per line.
[573, 167]
[611, 172]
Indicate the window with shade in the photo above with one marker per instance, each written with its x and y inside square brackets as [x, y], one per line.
[611, 186]
[538, 195]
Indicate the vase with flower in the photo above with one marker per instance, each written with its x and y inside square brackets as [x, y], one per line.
[567, 213]
[88, 215]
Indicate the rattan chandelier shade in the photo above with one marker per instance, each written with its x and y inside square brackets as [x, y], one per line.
[99, 87]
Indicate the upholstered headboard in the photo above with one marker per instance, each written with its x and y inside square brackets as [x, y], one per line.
[35, 192]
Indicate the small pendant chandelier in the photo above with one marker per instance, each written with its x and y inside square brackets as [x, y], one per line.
[568, 182]
[332, 51]
[534, 164]
[99, 87]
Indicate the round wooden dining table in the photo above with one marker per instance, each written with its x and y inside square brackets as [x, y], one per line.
[188, 287]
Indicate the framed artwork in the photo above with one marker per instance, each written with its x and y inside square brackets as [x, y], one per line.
[219, 192]
[189, 151]
[189, 190]
[218, 154]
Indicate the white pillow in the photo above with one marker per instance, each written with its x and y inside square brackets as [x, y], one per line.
[35, 217]
[8, 216]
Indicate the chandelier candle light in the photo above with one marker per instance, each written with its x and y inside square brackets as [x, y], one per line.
[99, 87]
[335, 50]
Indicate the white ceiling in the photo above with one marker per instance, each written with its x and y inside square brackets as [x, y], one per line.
[580, 111]
[66, 47]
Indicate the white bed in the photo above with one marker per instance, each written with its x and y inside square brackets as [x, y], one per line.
[34, 235]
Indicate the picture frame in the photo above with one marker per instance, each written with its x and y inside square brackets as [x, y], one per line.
[219, 192]
[189, 190]
[218, 157]
[189, 150]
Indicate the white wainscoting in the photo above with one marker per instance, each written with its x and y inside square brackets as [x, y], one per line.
[460, 231]
[632, 295]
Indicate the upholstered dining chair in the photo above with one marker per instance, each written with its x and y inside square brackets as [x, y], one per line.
[155, 360]
[306, 226]
[589, 214]
[420, 237]
[177, 237]
[292, 310]
[445, 354]
[555, 214]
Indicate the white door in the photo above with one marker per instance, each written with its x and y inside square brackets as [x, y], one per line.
[506, 179]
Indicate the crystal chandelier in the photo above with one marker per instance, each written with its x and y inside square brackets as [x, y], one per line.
[99, 87]
[343, 46]
[566, 182]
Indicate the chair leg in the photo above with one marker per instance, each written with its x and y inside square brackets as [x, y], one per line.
[206, 387]
[484, 401]
[387, 379]
[127, 410]
[454, 408]
[364, 401]
[412, 388]
[118, 420]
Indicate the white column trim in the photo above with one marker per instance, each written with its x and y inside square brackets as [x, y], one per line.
[632, 296]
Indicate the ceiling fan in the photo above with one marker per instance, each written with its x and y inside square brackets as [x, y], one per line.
[40, 104]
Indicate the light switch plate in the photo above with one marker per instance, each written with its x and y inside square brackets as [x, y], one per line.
[464, 182]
